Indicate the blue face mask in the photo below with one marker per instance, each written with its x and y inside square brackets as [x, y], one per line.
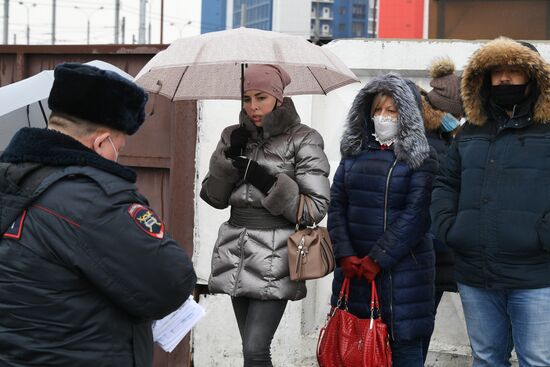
[449, 123]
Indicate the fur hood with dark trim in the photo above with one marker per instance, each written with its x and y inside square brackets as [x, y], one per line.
[411, 145]
[503, 51]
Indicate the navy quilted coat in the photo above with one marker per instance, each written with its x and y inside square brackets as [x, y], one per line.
[491, 198]
[379, 207]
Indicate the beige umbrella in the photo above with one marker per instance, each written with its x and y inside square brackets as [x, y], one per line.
[210, 66]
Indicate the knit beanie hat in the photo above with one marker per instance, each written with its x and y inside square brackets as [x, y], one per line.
[271, 79]
[445, 95]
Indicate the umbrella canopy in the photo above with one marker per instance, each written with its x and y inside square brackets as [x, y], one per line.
[208, 66]
[24, 103]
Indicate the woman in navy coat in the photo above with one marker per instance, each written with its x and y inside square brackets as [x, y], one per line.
[379, 213]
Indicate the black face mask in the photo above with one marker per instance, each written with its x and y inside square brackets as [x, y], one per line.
[507, 95]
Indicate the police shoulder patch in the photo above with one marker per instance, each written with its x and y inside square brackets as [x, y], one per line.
[147, 220]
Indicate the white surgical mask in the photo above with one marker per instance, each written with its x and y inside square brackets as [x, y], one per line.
[385, 129]
[114, 148]
[112, 145]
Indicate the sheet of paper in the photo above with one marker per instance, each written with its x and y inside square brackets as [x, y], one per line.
[169, 331]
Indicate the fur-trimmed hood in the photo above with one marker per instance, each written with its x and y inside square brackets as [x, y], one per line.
[503, 51]
[411, 145]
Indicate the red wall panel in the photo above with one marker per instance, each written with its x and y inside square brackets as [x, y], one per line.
[400, 18]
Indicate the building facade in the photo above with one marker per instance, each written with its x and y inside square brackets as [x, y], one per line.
[285, 16]
[320, 20]
[253, 14]
[487, 19]
[213, 15]
[401, 19]
[334, 19]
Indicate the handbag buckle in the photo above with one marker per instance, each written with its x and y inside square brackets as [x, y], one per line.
[302, 250]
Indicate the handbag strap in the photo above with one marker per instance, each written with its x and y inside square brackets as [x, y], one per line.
[300, 209]
[304, 200]
[374, 302]
[309, 208]
[344, 293]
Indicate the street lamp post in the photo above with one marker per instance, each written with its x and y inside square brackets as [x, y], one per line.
[27, 7]
[180, 26]
[88, 16]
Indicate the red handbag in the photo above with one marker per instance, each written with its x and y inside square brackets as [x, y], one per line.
[348, 341]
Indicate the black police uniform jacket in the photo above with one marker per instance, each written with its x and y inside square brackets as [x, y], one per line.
[85, 265]
[491, 199]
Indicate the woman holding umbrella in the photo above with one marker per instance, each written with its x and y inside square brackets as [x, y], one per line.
[259, 168]
[379, 214]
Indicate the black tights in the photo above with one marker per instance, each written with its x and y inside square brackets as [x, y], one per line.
[258, 320]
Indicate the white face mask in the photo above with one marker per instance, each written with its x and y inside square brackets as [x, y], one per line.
[112, 145]
[385, 129]
[114, 148]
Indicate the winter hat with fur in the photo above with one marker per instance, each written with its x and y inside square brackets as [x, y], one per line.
[271, 79]
[508, 52]
[445, 95]
[97, 95]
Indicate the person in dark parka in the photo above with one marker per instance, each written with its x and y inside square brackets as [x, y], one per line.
[441, 111]
[85, 265]
[379, 213]
[491, 202]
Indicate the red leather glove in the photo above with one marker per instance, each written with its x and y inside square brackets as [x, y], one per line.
[369, 268]
[351, 266]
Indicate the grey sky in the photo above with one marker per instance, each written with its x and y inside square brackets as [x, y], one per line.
[181, 17]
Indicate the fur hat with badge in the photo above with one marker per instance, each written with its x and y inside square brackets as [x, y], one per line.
[99, 96]
[444, 98]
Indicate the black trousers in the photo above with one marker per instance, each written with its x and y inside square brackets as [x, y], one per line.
[258, 320]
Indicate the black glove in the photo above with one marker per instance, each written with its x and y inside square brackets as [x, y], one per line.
[254, 174]
[237, 142]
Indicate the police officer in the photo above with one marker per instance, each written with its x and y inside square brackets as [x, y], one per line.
[85, 264]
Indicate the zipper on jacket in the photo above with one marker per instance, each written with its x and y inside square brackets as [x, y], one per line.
[254, 158]
[241, 247]
[386, 194]
[514, 111]
[385, 225]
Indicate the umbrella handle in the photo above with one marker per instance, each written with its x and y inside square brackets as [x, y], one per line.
[243, 65]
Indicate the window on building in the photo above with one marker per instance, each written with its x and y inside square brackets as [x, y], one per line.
[342, 10]
[357, 29]
[358, 11]
[325, 29]
[326, 12]
[342, 28]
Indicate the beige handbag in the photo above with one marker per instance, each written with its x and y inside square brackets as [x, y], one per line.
[310, 254]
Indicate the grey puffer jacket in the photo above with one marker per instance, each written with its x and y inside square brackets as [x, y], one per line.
[250, 256]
